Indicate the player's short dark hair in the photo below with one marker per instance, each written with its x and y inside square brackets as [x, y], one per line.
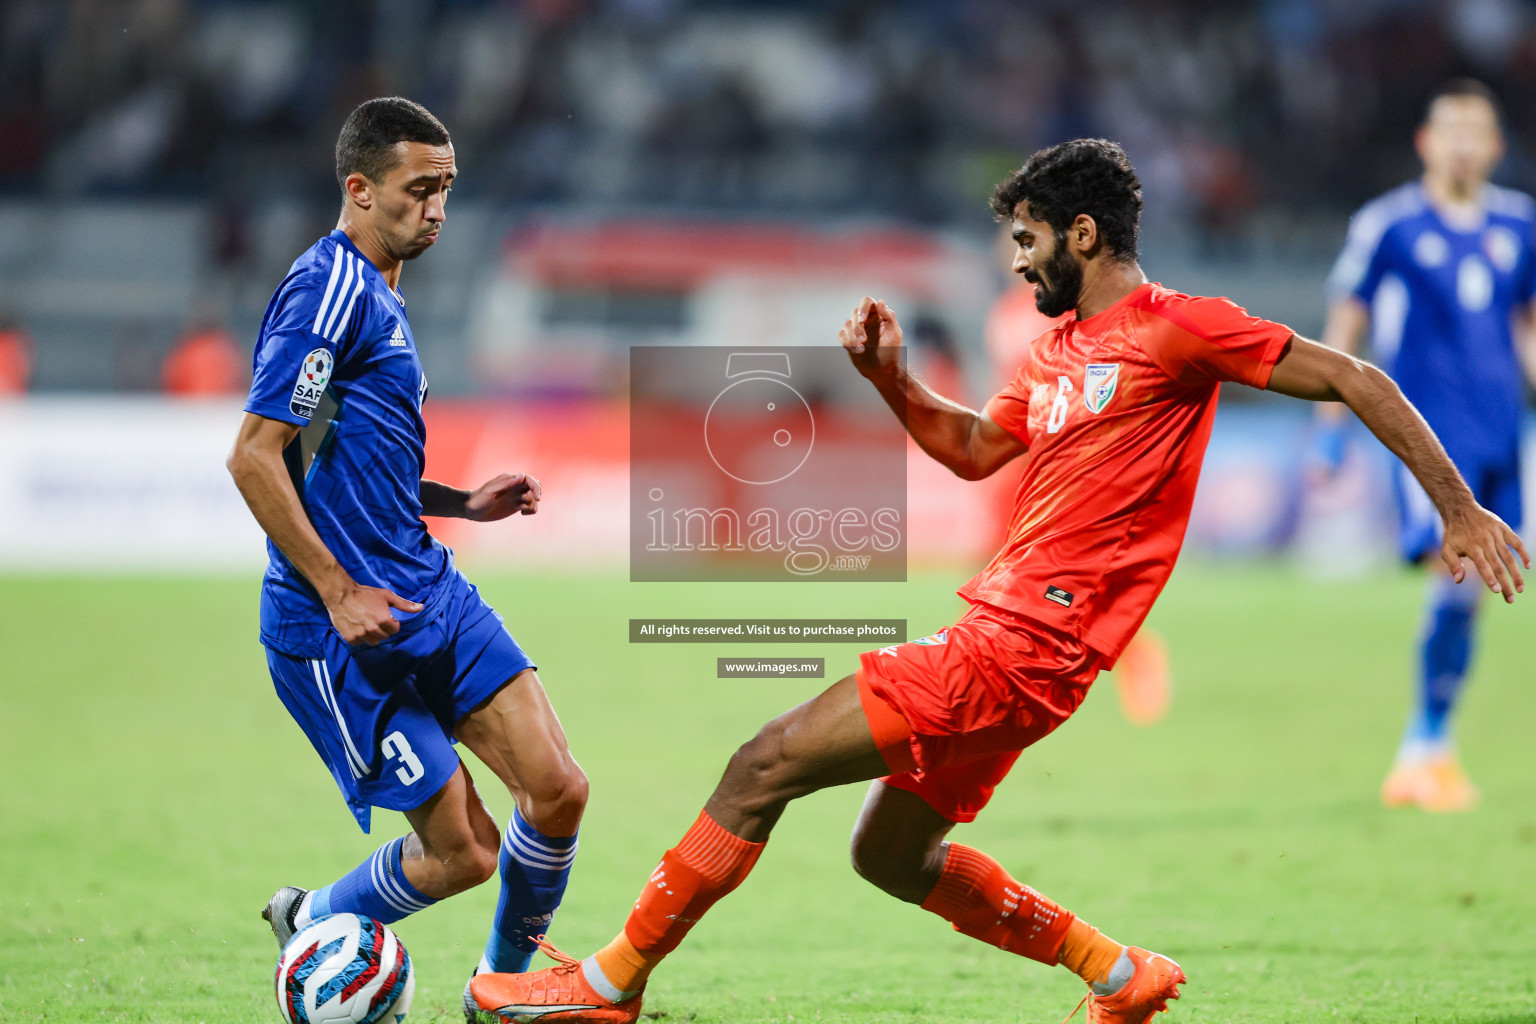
[1463, 88]
[1092, 176]
[367, 141]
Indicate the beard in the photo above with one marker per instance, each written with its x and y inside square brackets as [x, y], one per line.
[1061, 283]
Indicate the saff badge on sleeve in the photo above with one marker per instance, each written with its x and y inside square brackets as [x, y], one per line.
[1099, 383]
[314, 375]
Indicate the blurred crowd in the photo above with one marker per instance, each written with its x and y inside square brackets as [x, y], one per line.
[204, 361]
[1255, 124]
[910, 108]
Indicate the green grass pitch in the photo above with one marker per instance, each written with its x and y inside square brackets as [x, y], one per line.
[155, 794]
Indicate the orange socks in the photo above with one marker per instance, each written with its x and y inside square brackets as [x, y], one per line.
[973, 893]
[707, 864]
[1088, 953]
[624, 966]
[979, 898]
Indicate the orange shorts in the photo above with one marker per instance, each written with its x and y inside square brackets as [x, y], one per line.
[952, 712]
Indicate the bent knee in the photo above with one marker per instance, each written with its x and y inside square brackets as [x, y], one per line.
[479, 867]
[871, 863]
[557, 802]
[761, 761]
[907, 876]
[762, 773]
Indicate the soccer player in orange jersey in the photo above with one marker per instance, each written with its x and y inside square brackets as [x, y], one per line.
[1142, 677]
[1110, 413]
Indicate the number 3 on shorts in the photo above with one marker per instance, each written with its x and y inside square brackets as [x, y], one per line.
[396, 745]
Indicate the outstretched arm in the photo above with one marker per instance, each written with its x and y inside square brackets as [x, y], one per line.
[1321, 374]
[967, 443]
[1343, 331]
[1348, 319]
[359, 613]
[499, 497]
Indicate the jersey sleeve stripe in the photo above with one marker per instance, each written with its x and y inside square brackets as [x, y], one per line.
[346, 282]
[346, 315]
[1509, 202]
[330, 289]
[323, 322]
[1366, 230]
[1365, 235]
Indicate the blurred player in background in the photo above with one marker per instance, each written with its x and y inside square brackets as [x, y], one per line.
[1110, 411]
[1443, 272]
[1143, 680]
[204, 361]
[15, 354]
[329, 457]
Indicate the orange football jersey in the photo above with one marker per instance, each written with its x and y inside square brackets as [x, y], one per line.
[1116, 410]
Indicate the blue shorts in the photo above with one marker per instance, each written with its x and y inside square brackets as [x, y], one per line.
[1495, 484]
[382, 717]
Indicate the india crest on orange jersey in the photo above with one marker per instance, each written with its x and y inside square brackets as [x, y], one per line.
[1099, 383]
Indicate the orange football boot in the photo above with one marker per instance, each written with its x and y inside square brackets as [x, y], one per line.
[1403, 783]
[1436, 783]
[1155, 981]
[555, 995]
[1142, 679]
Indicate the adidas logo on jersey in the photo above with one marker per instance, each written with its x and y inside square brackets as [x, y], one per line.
[397, 340]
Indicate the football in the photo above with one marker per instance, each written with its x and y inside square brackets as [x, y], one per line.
[345, 969]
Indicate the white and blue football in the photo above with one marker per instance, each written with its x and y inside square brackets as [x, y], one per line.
[345, 969]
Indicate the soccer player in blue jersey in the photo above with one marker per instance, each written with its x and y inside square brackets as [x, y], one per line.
[1443, 273]
[379, 647]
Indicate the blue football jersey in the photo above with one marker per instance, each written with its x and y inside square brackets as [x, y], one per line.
[1442, 297]
[337, 358]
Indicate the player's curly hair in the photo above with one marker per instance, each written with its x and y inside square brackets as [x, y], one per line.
[367, 141]
[1092, 176]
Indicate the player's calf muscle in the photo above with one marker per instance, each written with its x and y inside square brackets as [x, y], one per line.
[443, 862]
[448, 869]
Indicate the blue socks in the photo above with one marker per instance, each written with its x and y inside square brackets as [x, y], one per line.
[1445, 653]
[376, 888]
[534, 870]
